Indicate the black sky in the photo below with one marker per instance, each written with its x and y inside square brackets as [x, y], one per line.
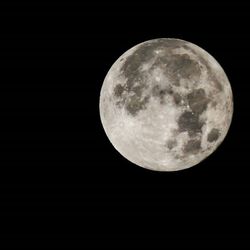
[61, 177]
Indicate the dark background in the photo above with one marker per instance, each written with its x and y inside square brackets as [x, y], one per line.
[62, 182]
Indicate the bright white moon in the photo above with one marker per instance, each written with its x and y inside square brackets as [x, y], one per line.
[166, 104]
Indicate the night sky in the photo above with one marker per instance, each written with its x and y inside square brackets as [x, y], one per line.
[62, 182]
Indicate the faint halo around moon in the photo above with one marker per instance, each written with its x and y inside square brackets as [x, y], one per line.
[166, 104]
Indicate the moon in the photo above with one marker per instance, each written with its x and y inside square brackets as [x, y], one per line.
[166, 104]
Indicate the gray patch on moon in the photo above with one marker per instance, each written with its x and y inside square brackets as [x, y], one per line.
[197, 101]
[135, 104]
[159, 92]
[182, 66]
[211, 75]
[171, 144]
[213, 135]
[177, 98]
[118, 90]
[190, 122]
[193, 146]
[177, 66]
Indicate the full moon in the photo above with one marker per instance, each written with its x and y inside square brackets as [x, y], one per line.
[166, 104]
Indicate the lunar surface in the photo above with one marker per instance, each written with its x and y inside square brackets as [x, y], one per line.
[166, 104]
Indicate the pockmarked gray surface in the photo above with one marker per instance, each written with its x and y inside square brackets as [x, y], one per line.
[166, 104]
